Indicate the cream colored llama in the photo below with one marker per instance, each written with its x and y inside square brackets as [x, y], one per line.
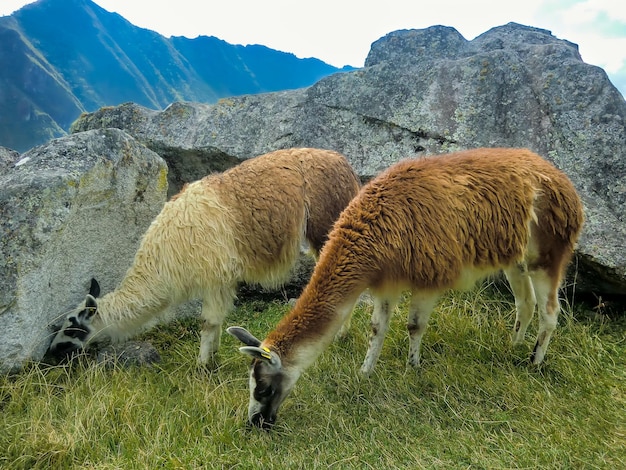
[426, 226]
[244, 225]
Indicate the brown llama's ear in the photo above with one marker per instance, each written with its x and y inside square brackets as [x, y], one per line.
[94, 288]
[243, 335]
[263, 354]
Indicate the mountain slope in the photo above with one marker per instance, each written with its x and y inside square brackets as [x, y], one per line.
[59, 58]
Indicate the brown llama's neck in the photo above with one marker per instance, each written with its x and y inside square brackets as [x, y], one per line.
[325, 303]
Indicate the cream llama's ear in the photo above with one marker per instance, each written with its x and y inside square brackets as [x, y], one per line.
[243, 335]
[94, 288]
[91, 307]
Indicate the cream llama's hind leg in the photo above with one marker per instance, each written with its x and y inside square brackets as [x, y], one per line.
[344, 313]
[420, 308]
[525, 299]
[215, 307]
[546, 290]
[383, 308]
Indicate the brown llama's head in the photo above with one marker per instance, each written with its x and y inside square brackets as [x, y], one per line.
[270, 382]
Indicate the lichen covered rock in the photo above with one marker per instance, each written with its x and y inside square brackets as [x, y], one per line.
[71, 210]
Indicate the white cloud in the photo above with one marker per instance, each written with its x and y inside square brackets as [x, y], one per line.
[582, 12]
[609, 53]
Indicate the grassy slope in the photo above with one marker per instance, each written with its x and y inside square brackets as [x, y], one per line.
[475, 403]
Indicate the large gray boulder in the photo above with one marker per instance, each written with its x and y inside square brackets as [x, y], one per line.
[7, 158]
[422, 92]
[70, 210]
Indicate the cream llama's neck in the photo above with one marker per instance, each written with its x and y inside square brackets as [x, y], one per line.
[126, 310]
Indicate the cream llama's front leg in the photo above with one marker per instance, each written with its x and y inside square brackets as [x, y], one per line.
[214, 310]
[209, 342]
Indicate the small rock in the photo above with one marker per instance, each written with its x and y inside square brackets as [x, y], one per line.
[129, 354]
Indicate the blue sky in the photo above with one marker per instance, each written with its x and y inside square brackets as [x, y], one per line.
[340, 32]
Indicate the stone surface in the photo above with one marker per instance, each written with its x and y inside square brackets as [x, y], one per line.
[70, 210]
[422, 92]
[128, 354]
[7, 158]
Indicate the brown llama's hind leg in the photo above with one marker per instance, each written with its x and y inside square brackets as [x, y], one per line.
[547, 275]
[546, 290]
[420, 308]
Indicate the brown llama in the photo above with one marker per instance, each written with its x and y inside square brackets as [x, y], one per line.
[426, 226]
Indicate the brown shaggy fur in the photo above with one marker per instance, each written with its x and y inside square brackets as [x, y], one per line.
[433, 224]
[244, 225]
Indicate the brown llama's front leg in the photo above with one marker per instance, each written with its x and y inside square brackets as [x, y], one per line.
[420, 308]
[383, 307]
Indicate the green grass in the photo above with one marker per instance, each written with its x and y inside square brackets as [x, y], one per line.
[475, 403]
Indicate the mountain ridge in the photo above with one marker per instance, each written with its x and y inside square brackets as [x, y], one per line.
[59, 58]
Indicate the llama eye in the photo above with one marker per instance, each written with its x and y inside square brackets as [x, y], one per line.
[263, 392]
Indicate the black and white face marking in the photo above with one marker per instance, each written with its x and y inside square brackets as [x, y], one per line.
[269, 382]
[266, 394]
[75, 331]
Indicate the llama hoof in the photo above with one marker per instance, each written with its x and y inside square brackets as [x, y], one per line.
[342, 334]
[536, 357]
[414, 364]
[209, 364]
